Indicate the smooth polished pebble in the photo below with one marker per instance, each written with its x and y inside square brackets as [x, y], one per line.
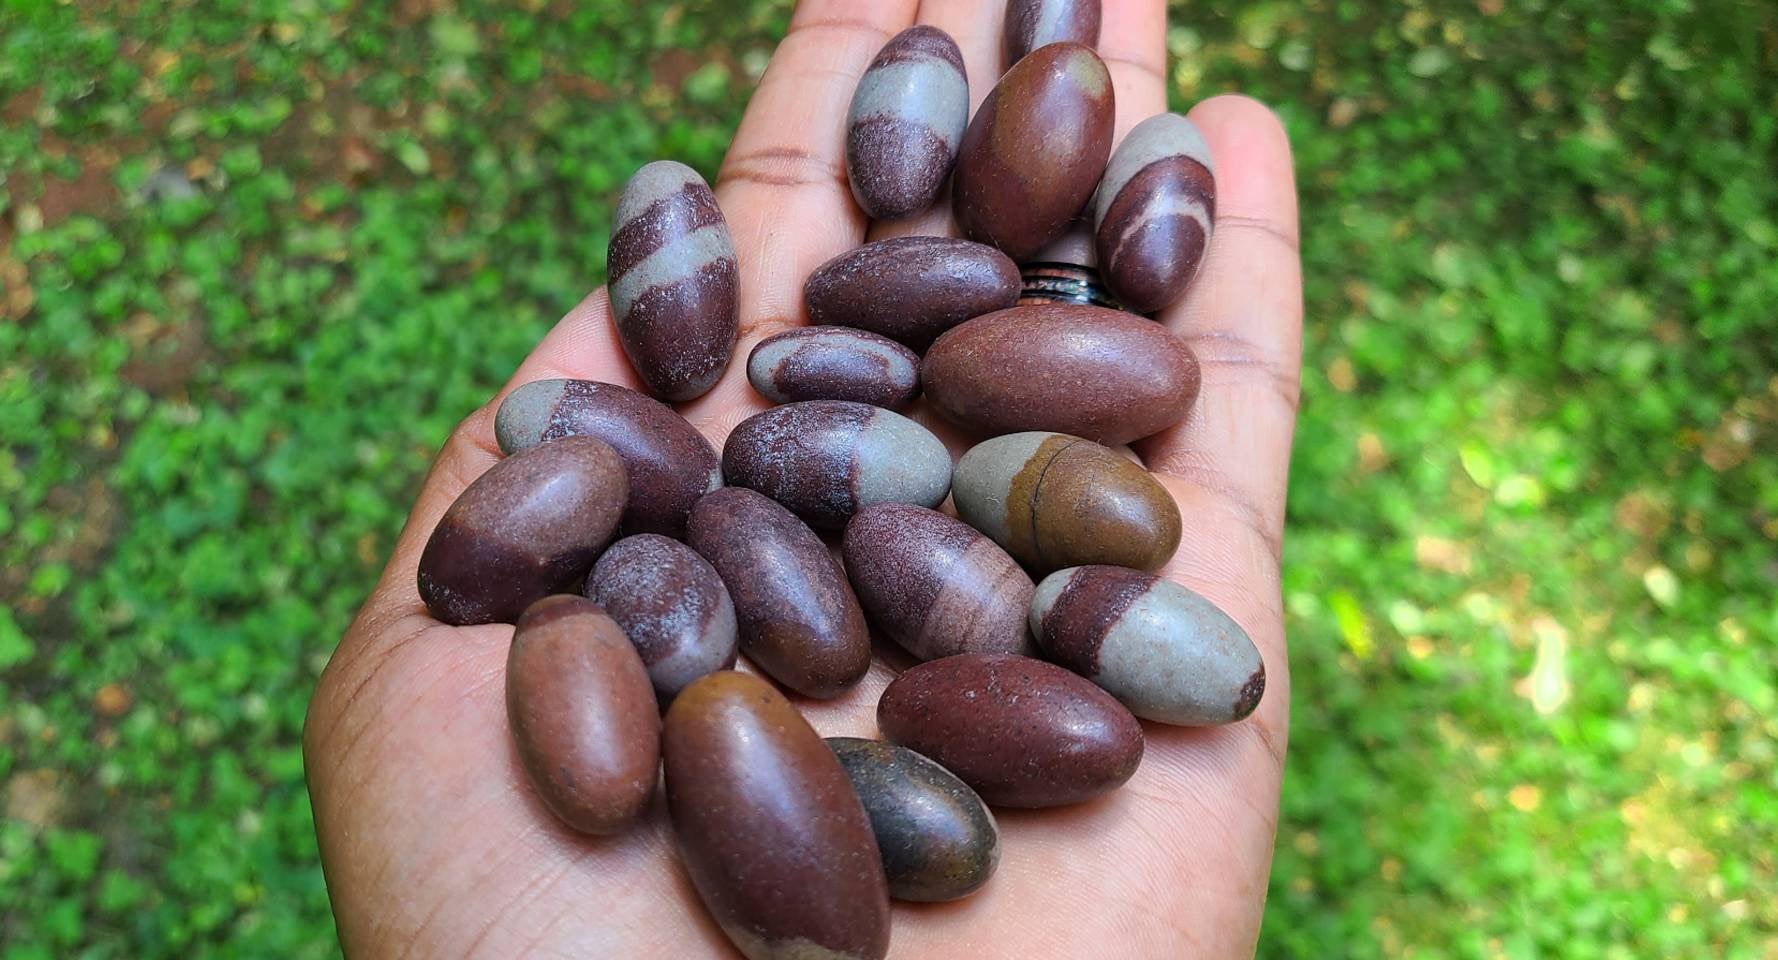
[1164, 651]
[1035, 150]
[769, 826]
[673, 281]
[834, 363]
[934, 585]
[1105, 375]
[583, 714]
[911, 289]
[905, 123]
[532, 525]
[828, 459]
[671, 604]
[670, 464]
[1154, 212]
[1055, 501]
[1034, 23]
[797, 616]
[1021, 732]
[937, 839]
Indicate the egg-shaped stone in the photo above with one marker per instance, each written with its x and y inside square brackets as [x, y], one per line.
[937, 839]
[905, 123]
[911, 289]
[828, 459]
[935, 585]
[1055, 501]
[834, 363]
[1101, 374]
[670, 464]
[1035, 150]
[671, 604]
[1161, 649]
[1154, 212]
[532, 525]
[674, 281]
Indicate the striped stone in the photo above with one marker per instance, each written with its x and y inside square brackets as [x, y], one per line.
[673, 281]
[1034, 23]
[1154, 212]
[906, 120]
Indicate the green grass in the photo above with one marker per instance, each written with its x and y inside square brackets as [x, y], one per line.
[257, 256]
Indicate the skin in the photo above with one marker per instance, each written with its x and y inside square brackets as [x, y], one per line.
[432, 844]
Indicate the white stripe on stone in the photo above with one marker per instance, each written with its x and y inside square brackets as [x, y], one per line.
[1157, 138]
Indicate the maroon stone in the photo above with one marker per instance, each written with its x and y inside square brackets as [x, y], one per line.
[671, 604]
[1105, 375]
[1034, 23]
[532, 525]
[670, 464]
[911, 289]
[769, 826]
[1021, 732]
[834, 363]
[583, 714]
[905, 122]
[935, 585]
[1018, 182]
[798, 618]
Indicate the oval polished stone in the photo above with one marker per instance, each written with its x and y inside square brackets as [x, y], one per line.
[911, 289]
[670, 464]
[1154, 212]
[673, 281]
[1055, 501]
[1018, 183]
[532, 525]
[937, 839]
[769, 826]
[1101, 374]
[906, 119]
[935, 585]
[834, 363]
[797, 616]
[671, 604]
[1164, 651]
[1022, 732]
[1034, 23]
[828, 459]
[583, 714]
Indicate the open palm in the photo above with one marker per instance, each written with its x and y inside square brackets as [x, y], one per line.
[433, 842]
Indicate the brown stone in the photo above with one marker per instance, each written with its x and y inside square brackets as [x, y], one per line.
[937, 838]
[1034, 23]
[532, 525]
[798, 618]
[911, 289]
[671, 604]
[935, 585]
[583, 714]
[1101, 374]
[1019, 180]
[905, 122]
[834, 363]
[769, 826]
[1021, 732]
[1155, 211]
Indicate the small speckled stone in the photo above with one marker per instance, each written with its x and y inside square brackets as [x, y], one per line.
[583, 715]
[671, 604]
[797, 616]
[674, 281]
[1034, 23]
[1035, 150]
[1055, 501]
[1101, 374]
[827, 459]
[911, 289]
[1165, 652]
[669, 462]
[769, 826]
[1154, 212]
[937, 838]
[935, 585]
[834, 363]
[906, 120]
[532, 525]
[1021, 732]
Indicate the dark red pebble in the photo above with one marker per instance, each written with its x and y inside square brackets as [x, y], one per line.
[911, 289]
[834, 363]
[532, 525]
[671, 604]
[1034, 23]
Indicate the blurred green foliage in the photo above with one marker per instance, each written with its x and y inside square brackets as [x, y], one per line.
[257, 257]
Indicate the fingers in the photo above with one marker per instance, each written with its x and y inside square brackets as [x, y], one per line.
[1243, 319]
[1133, 44]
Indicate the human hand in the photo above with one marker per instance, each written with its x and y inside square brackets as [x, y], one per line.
[433, 841]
